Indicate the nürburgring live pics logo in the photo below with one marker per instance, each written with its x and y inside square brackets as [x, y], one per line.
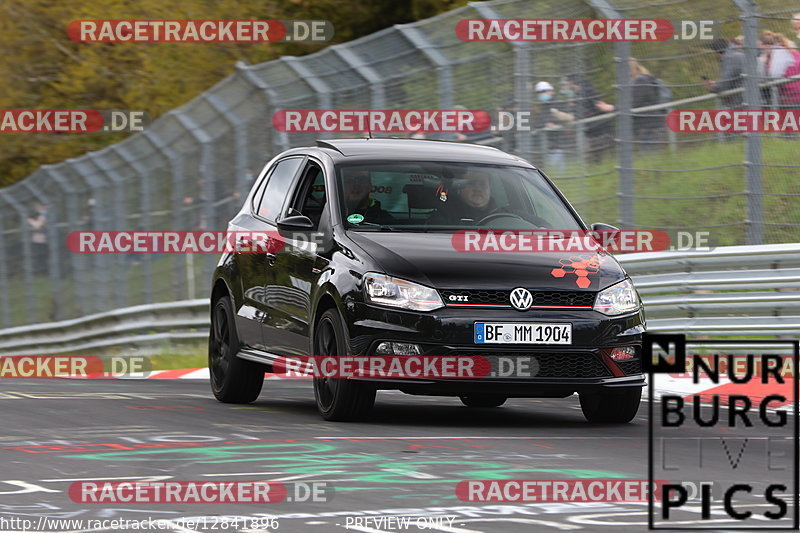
[730, 450]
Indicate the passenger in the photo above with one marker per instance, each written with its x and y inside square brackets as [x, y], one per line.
[357, 187]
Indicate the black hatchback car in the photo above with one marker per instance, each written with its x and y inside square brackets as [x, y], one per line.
[367, 266]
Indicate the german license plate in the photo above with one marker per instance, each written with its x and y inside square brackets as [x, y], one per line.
[522, 333]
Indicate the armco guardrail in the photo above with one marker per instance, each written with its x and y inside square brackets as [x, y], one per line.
[730, 291]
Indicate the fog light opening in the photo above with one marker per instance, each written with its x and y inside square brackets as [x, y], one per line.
[621, 353]
[398, 348]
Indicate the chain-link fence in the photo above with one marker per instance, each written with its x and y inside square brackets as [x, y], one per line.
[192, 167]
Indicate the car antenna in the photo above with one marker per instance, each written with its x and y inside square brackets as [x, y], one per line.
[369, 132]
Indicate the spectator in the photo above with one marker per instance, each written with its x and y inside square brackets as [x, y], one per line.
[648, 128]
[731, 59]
[38, 238]
[781, 61]
[796, 24]
[587, 103]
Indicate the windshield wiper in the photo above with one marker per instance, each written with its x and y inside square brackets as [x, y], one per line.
[371, 225]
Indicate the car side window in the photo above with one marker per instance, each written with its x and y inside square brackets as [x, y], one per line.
[311, 194]
[268, 202]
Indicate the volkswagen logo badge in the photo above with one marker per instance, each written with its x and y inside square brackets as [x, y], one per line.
[521, 299]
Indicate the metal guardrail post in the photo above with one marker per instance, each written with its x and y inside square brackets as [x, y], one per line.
[437, 59]
[305, 74]
[178, 190]
[27, 252]
[672, 137]
[752, 101]
[280, 139]
[580, 143]
[368, 74]
[144, 213]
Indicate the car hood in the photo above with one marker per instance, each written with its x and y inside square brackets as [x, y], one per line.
[431, 259]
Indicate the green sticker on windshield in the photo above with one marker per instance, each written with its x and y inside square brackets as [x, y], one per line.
[355, 218]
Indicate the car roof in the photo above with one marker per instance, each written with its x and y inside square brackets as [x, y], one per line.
[415, 150]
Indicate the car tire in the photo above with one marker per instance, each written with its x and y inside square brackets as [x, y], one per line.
[233, 380]
[338, 399]
[614, 406]
[483, 400]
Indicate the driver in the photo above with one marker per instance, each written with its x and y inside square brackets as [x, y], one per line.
[476, 192]
[357, 198]
[472, 202]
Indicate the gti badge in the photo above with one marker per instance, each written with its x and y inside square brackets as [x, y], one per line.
[458, 297]
[521, 299]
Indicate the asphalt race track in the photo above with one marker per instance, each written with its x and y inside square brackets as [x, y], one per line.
[406, 460]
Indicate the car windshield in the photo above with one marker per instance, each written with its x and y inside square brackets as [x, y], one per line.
[421, 196]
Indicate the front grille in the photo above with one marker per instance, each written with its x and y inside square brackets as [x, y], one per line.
[477, 297]
[551, 365]
[634, 366]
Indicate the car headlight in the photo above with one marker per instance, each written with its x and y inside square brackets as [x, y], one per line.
[617, 299]
[395, 292]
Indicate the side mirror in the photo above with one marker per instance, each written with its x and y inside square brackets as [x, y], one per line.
[295, 223]
[599, 226]
[607, 232]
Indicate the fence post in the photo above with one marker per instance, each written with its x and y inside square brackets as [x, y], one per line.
[672, 137]
[206, 171]
[100, 280]
[366, 72]
[4, 307]
[523, 81]
[53, 243]
[78, 285]
[624, 136]
[438, 59]
[320, 88]
[627, 215]
[27, 260]
[144, 213]
[280, 139]
[176, 168]
[752, 101]
[240, 137]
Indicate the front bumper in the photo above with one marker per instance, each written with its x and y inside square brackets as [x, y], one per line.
[561, 369]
